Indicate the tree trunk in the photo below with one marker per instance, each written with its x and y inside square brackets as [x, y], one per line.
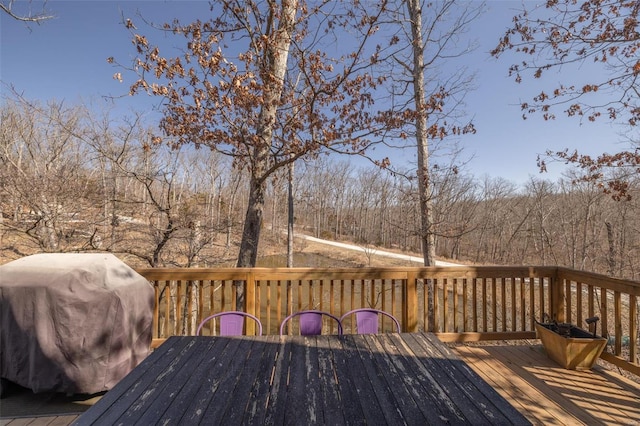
[424, 181]
[252, 225]
[290, 216]
[272, 73]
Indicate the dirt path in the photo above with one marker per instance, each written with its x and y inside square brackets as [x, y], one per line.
[371, 256]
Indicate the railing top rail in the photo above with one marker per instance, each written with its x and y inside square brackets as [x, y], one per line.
[194, 273]
[396, 272]
[506, 271]
[599, 280]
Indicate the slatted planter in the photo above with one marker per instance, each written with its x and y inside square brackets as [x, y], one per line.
[578, 351]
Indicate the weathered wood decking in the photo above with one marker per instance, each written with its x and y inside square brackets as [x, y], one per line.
[547, 393]
[389, 378]
[542, 391]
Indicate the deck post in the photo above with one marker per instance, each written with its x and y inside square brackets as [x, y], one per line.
[250, 302]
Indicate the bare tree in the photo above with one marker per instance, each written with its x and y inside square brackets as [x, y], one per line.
[456, 205]
[541, 211]
[428, 35]
[152, 201]
[43, 174]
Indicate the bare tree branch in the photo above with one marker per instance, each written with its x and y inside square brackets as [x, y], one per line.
[8, 8]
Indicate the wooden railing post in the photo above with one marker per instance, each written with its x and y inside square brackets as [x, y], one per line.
[250, 301]
[410, 304]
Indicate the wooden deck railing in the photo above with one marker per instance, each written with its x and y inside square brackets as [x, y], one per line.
[614, 301]
[470, 303]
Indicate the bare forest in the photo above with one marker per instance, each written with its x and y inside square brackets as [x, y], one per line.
[71, 181]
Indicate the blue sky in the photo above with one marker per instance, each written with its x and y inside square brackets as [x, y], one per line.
[65, 58]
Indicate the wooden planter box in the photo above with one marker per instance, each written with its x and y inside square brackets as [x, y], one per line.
[579, 351]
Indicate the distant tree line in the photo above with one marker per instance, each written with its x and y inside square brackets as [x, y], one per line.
[72, 181]
[491, 221]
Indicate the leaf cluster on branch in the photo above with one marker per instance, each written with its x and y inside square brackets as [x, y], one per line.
[568, 35]
[215, 92]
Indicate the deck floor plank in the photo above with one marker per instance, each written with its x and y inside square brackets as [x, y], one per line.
[514, 388]
[549, 394]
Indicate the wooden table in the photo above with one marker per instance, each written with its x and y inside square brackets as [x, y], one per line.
[409, 378]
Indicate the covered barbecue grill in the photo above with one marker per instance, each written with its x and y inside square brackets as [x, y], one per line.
[73, 323]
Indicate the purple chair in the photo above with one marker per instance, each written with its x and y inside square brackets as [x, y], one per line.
[231, 323]
[367, 320]
[310, 322]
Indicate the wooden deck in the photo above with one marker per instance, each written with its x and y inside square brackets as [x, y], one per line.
[40, 421]
[542, 391]
[547, 393]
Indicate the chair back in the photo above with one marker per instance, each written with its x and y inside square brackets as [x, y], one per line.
[310, 322]
[367, 320]
[231, 323]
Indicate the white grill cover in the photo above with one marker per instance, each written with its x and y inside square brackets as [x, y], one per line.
[74, 323]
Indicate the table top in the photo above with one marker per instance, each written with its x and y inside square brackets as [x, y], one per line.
[408, 378]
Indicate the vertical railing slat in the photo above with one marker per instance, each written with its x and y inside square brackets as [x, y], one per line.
[474, 298]
[465, 301]
[445, 305]
[514, 305]
[532, 303]
[579, 318]
[604, 317]
[155, 334]
[503, 300]
[523, 305]
[436, 305]
[342, 307]
[167, 318]
[617, 318]
[456, 315]
[178, 308]
[633, 329]
[494, 305]
[485, 306]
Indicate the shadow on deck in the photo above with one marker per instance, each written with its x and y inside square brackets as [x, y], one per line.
[547, 393]
[23, 407]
